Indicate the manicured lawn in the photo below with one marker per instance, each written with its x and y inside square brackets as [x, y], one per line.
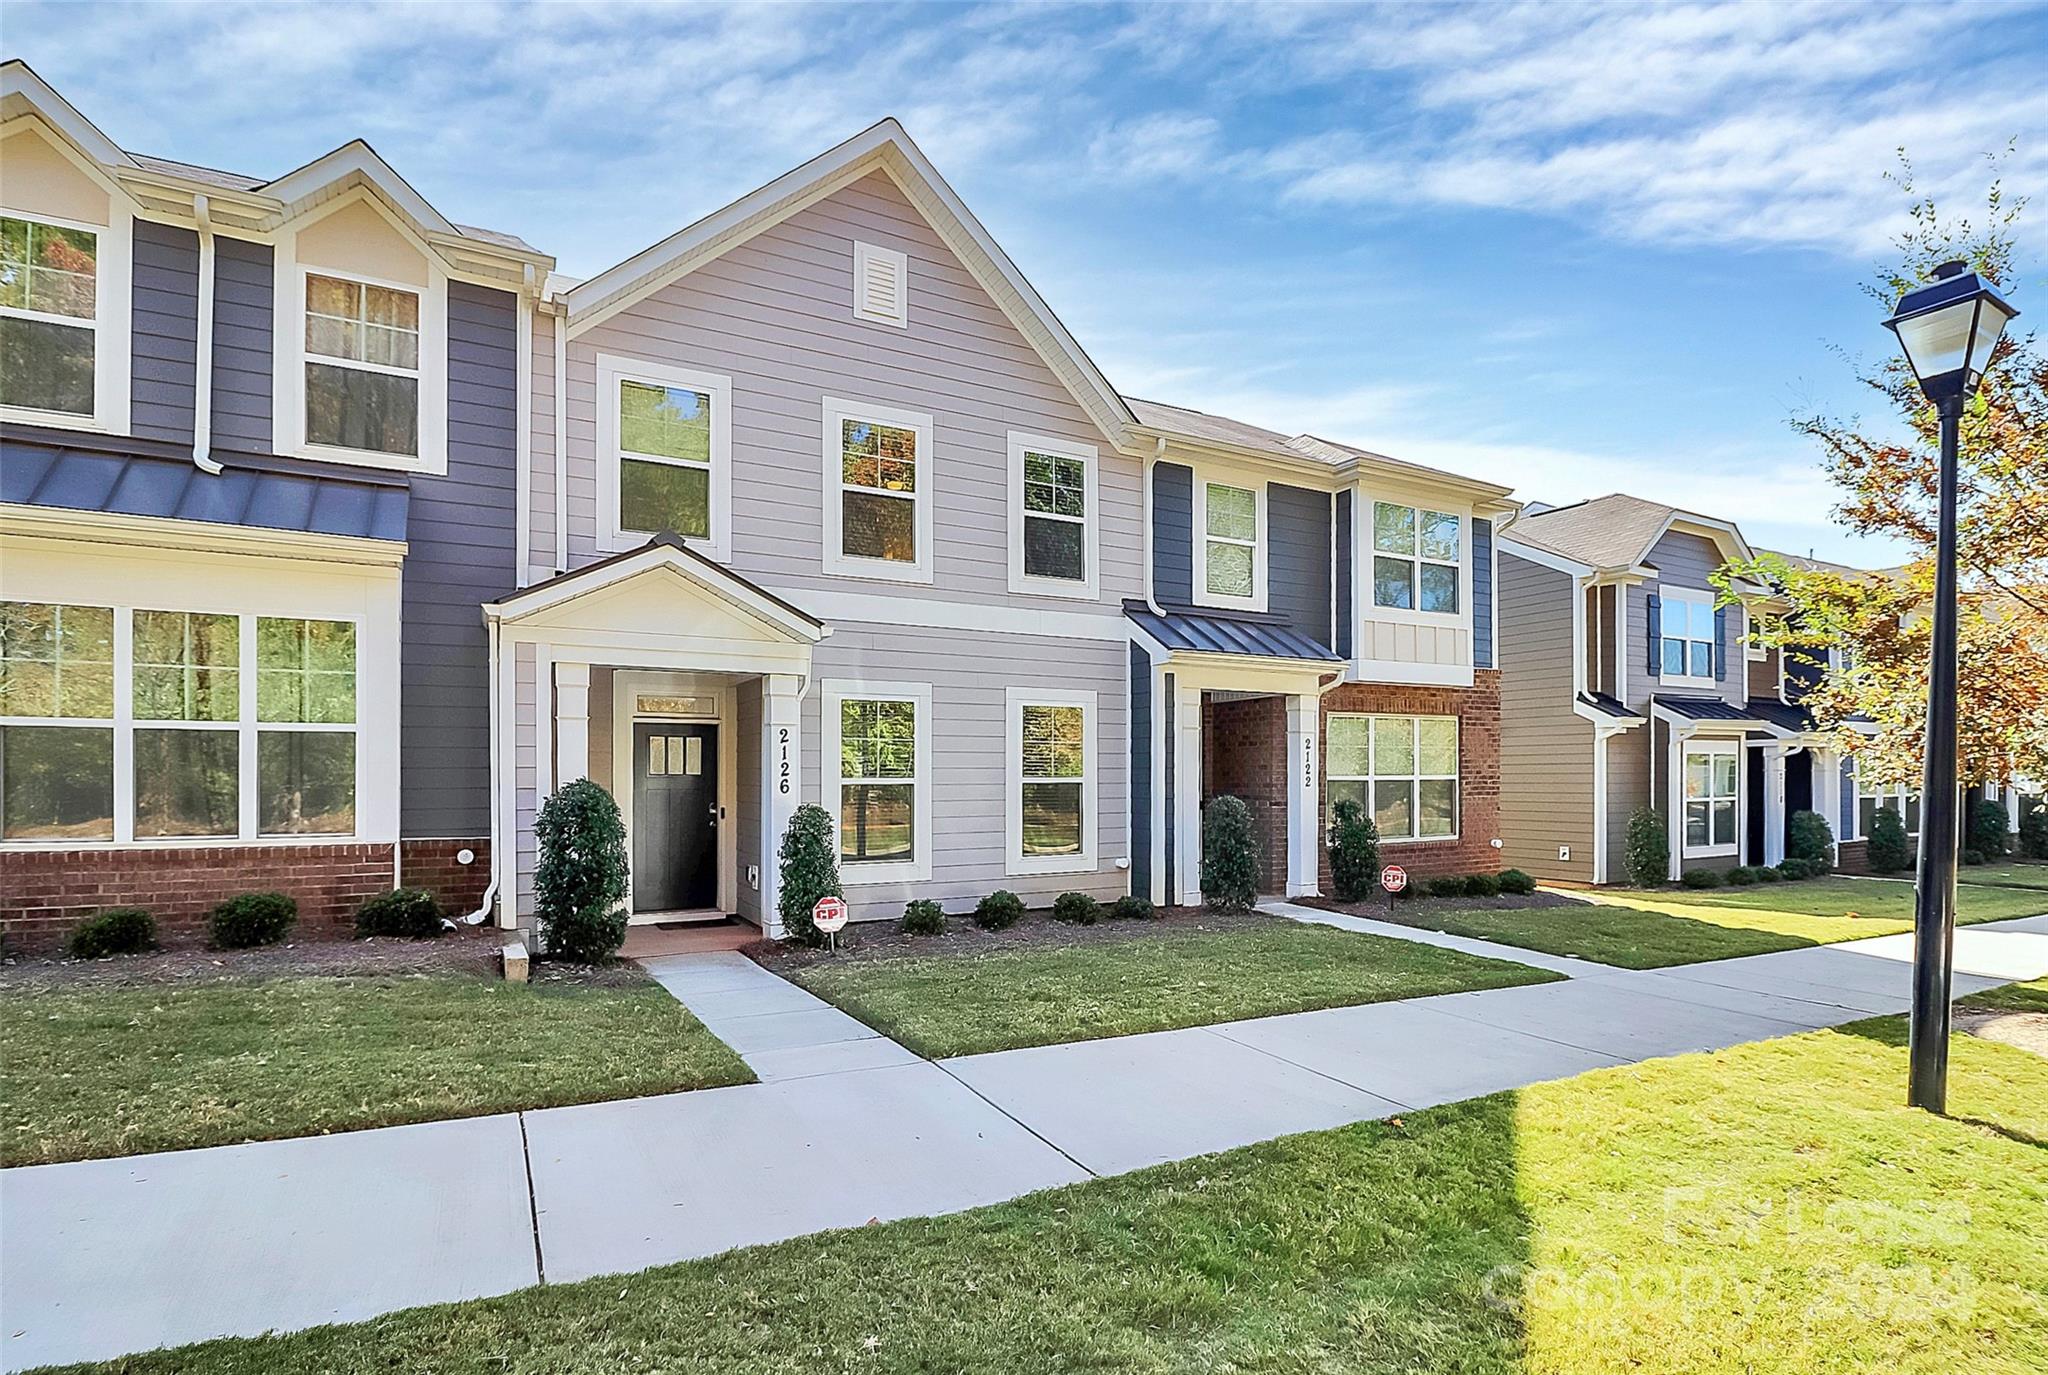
[2011, 874]
[2028, 997]
[1641, 928]
[1771, 1209]
[944, 1005]
[116, 1071]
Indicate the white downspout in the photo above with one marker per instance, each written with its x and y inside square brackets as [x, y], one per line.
[490, 899]
[202, 354]
[561, 440]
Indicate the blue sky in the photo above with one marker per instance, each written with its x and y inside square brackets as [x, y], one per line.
[1579, 249]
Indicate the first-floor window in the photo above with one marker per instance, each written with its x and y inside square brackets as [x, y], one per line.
[1871, 798]
[1712, 776]
[1402, 769]
[190, 705]
[878, 782]
[1051, 778]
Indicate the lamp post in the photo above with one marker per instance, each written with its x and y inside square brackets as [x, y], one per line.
[1947, 328]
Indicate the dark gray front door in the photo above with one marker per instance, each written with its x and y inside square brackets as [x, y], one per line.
[675, 816]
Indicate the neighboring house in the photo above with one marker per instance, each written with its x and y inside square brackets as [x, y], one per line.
[1628, 686]
[257, 472]
[337, 536]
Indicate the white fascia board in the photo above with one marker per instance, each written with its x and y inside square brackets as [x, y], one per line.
[1724, 533]
[563, 590]
[19, 82]
[1543, 558]
[358, 158]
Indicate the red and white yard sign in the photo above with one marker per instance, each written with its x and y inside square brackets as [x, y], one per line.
[829, 914]
[1393, 878]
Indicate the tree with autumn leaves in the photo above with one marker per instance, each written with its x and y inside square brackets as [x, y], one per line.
[1880, 620]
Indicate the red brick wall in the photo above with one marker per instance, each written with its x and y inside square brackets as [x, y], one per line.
[1853, 857]
[1244, 755]
[1478, 711]
[431, 864]
[49, 892]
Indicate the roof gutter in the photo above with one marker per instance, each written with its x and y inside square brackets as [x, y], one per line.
[202, 356]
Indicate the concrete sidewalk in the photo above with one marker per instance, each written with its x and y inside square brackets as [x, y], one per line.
[107, 1257]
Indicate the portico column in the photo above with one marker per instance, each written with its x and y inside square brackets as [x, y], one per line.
[1304, 832]
[781, 785]
[572, 722]
[1774, 804]
[1187, 799]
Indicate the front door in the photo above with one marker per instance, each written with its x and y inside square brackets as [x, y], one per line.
[675, 816]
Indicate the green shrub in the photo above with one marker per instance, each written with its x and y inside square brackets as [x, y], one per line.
[2034, 833]
[1767, 874]
[1973, 857]
[579, 884]
[809, 857]
[1888, 851]
[1516, 882]
[1647, 854]
[1354, 852]
[1445, 886]
[1742, 876]
[999, 909]
[1701, 878]
[116, 931]
[1808, 837]
[1987, 832]
[1076, 908]
[1482, 886]
[923, 917]
[253, 919]
[1132, 907]
[1230, 856]
[400, 912]
[1792, 868]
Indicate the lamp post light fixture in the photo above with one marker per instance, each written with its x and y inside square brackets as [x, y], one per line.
[1947, 328]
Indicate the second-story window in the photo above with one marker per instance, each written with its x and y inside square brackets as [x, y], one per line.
[1686, 627]
[49, 316]
[877, 492]
[664, 448]
[1052, 517]
[1416, 558]
[362, 366]
[1230, 542]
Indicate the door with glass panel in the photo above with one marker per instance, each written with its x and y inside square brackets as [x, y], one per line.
[675, 816]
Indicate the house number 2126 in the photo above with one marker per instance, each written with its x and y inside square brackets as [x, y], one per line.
[782, 764]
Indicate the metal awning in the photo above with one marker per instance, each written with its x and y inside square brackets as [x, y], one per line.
[1199, 632]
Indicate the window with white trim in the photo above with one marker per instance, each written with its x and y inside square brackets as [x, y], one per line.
[1050, 807]
[49, 316]
[1231, 525]
[202, 734]
[1685, 623]
[877, 492]
[1403, 770]
[665, 454]
[1416, 558]
[362, 366]
[1053, 517]
[1903, 800]
[877, 751]
[1712, 779]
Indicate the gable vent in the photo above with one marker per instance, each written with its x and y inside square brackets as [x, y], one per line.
[880, 285]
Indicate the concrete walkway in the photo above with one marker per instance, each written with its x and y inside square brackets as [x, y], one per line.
[107, 1257]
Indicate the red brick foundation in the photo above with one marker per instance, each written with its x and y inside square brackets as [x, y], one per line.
[44, 893]
[1478, 711]
[1853, 857]
[1244, 755]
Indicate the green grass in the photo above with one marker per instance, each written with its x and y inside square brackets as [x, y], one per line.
[2028, 997]
[966, 1004]
[2006, 873]
[1770, 1210]
[115, 1071]
[1645, 928]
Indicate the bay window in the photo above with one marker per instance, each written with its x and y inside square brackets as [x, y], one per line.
[1050, 782]
[49, 316]
[1712, 782]
[362, 366]
[1403, 770]
[1417, 555]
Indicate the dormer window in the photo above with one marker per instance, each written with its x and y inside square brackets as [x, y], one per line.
[49, 316]
[1416, 558]
[362, 366]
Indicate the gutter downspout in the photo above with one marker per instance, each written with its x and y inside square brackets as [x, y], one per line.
[561, 439]
[490, 898]
[202, 348]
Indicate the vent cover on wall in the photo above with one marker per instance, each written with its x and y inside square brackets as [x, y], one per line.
[881, 282]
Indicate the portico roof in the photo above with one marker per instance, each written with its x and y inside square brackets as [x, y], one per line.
[666, 553]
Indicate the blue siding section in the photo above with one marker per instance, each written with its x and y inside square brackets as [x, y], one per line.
[1345, 589]
[461, 530]
[1298, 559]
[1482, 594]
[164, 343]
[1173, 535]
[242, 311]
[1141, 772]
[1846, 822]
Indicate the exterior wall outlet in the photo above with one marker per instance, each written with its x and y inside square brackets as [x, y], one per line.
[754, 877]
[1564, 852]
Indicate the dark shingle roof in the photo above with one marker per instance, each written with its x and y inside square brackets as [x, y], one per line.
[1608, 532]
[1771, 711]
[138, 477]
[1198, 632]
[1608, 706]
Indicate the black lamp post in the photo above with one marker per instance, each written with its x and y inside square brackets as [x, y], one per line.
[1948, 328]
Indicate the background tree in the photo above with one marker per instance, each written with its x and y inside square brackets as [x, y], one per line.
[1888, 484]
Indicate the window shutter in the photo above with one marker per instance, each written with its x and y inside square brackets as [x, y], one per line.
[1720, 644]
[1656, 635]
[880, 285]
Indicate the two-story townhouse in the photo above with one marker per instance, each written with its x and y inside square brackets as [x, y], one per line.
[1629, 685]
[259, 454]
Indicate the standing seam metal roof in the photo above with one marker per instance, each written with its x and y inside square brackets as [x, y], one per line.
[1196, 632]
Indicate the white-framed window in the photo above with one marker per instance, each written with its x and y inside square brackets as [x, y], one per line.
[877, 752]
[1417, 559]
[1230, 543]
[49, 317]
[664, 444]
[1870, 798]
[160, 725]
[1053, 517]
[881, 285]
[1685, 626]
[878, 500]
[1711, 775]
[1049, 797]
[362, 365]
[1402, 769]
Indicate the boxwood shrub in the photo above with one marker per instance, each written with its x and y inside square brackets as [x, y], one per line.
[1132, 907]
[999, 909]
[116, 931]
[1766, 874]
[400, 912]
[1701, 878]
[1516, 882]
[923, 917]
[1076, 908]
[253, 919]
[1445, 886]
[1482, 886]
[1742, 876]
